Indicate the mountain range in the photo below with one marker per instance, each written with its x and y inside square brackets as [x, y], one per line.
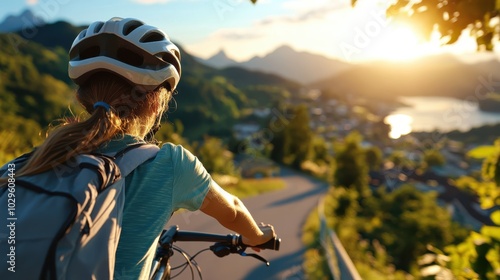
[290, 70]
[437, 75]
[302, 67]
[440, 75]
[26, 21]
[35, 70]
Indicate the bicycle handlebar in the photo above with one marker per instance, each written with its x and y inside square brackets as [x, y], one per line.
[233, 239]
[224, 245]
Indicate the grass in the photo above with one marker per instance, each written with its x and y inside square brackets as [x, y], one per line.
[251, 187]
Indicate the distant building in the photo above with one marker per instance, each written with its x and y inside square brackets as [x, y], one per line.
[245, 130]
[262, 113]
[312, 94]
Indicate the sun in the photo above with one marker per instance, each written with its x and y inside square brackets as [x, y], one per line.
[400, 42]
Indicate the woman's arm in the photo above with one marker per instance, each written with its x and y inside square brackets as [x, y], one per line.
[230, 212]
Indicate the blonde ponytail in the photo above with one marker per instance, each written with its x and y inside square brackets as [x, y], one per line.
[131, 111]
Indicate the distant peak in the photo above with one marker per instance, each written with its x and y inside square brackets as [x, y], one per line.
[16, 22]
[285, 48]
[27, 12]
[221, 53]
[219, 60]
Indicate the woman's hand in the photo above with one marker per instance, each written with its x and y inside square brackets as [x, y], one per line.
[267, 233]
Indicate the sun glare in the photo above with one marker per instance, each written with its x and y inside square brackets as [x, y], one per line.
[387, 38]
[400, 125]
[399, 43]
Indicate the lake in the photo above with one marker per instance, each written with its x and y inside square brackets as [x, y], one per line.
[443, 114]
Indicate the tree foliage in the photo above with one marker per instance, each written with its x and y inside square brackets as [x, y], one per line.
[373, 157]
[433, 157]
[409, 214]
[389, 229]
[450, 17]
[293, 140]
[352, 169]
[30, 96]
[215, 157]
[300, 135]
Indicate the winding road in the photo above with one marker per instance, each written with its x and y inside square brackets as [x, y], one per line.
[286, 209]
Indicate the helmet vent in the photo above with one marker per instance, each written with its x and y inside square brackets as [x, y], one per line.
[90, 52]
[167, 57]
[170, 59]
[131, 26]
[98, 27]
[152, 37]
[129, 57]
[82, 34]
[177, 54]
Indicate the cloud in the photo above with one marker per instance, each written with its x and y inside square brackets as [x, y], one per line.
[302, 31]
[319, 26]
[150, 2]
[238, 35]
[31, 2]
[305, 6]
[313, 10]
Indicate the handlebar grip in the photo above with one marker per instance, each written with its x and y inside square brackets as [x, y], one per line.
[273, 244]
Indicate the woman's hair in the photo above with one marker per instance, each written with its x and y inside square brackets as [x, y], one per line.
[133, 111]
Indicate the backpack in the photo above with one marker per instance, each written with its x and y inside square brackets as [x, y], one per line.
[65, 223]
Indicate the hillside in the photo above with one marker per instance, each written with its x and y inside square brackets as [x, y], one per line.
[57, 34]
[441, 75]
[31, 95]
[30, 87]
[35, 85]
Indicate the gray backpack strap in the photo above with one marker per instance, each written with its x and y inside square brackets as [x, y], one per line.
[130, 159]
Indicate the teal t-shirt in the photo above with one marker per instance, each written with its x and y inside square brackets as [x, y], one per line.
[174, 179]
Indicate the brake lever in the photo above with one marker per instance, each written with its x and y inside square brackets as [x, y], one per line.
[259, 257]
[222, 250]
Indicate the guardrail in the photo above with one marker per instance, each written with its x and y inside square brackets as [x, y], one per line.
[339, 262]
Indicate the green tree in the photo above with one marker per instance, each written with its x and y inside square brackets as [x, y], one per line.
[278, 142]
[215, 156]
[352, 170]
[373, 156]
[478, 256]
[410, 215]
[433, 157]
[389, 230]
[319, 150]
[300, 136]
[400, 159]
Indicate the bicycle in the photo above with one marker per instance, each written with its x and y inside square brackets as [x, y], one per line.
[223, 246]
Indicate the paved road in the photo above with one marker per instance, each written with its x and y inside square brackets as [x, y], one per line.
[286, 209]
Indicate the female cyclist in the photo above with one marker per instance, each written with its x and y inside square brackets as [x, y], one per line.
[126, 72]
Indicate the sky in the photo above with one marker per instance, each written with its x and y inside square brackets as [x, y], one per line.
[204, 27]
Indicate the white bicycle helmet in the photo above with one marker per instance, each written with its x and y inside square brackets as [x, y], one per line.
[140, 53]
